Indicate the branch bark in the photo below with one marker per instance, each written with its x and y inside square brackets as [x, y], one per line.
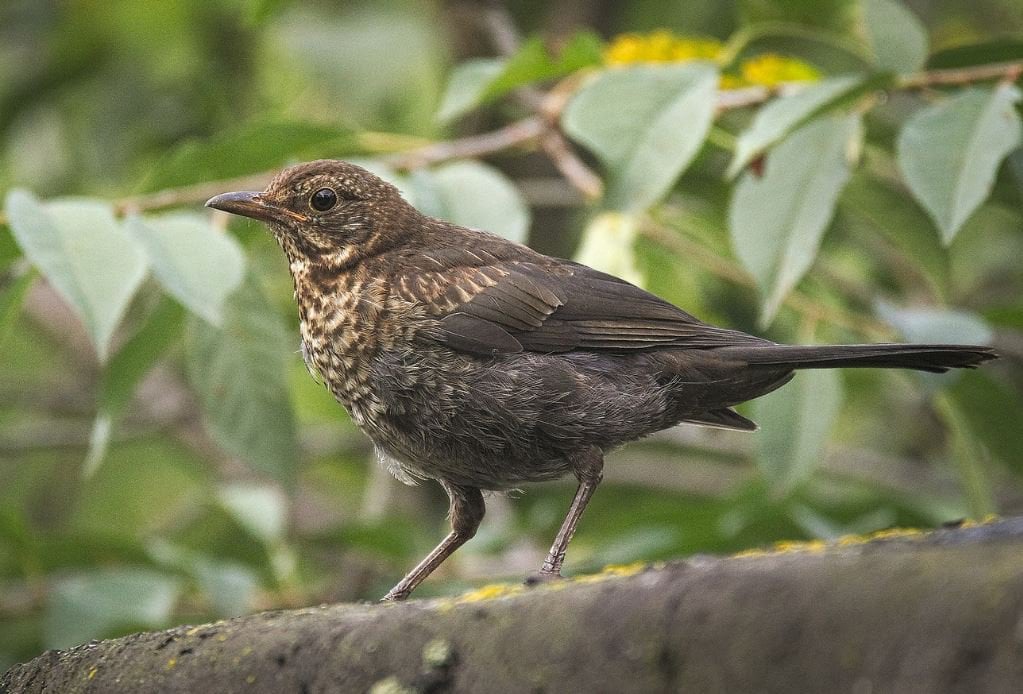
[907, 612]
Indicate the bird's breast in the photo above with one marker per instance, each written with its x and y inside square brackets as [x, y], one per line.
[348, 324]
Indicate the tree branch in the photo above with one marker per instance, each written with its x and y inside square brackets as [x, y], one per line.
[907, 611]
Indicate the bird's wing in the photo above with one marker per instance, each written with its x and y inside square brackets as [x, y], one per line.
[489, 306]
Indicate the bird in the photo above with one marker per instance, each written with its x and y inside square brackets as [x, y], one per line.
[482, 364]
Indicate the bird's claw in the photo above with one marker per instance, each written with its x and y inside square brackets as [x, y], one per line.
[540, 577]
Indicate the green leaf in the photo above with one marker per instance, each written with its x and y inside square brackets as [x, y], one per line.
[999, 50]
[896, 38]
[473, 195]
[97, 604]
[778, 118]
[949, 152]
[238, 372]
[875, 206]
[197, 265]
[994, 412]
[646, 123]
[84, 253]
[11, 299]
[123, 372]
[937, 325]
[260, 509]
[466, 86]
[969, 458]
[229, 586]
[479, 81]
[533, 63]
[134, 359]
[795, 421]
[777, 220]
[244, 151]
[608, 245]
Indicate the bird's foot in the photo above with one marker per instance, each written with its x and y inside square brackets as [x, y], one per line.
[540, 577]
[395, 595]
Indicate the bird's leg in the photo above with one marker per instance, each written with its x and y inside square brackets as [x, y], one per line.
[466, 512]
[589, 470]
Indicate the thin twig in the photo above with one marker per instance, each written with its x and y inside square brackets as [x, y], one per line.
[172, 197]
[963, 75]
[505, 37]
[509, 136]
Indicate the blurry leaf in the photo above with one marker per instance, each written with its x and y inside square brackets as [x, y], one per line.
[879, 207]
[123, 372]
[244, 151]
[641, 544]
[11, 299]
[895, 36]
[95, 604]
[197, 265]
[794, 424]
[259, 11]
[534, 63]
[238, 373]
[937, 325]
[134, 359]
[260, 509]
[833, 52]
[482, 80]
[998, 50]
[99, 441]
[646, 123]
[779, 117]
[969, 458]
[949, 152]
[608, 245]
[466, 85]
[994, 412]
[84, 253]
[229, 586]
[777, 220]
[473, 195]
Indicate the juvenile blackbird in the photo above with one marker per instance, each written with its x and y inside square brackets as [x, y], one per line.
[483, 364]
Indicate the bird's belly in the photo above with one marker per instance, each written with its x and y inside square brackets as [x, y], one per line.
[497, 422]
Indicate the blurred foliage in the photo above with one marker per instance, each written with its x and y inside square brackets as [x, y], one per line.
[165, 457]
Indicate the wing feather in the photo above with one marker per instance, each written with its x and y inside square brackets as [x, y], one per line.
[487, 305]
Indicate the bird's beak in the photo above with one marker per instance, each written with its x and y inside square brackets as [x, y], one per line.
[249, 204]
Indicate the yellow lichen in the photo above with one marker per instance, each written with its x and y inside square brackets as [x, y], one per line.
[437, 653]
[250, 679]
[490, 592]
[170, 664]
[92, 673]
[613, 570]
[390, 685]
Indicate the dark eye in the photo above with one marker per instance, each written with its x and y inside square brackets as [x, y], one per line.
[323, 199]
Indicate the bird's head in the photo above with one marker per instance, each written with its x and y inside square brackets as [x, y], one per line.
[325, 210]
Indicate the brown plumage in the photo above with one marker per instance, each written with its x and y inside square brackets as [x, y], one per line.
[483, 364]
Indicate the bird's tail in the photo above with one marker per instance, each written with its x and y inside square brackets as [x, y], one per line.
[934, 358]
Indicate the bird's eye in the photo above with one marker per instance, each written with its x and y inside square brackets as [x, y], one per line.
[323, 199]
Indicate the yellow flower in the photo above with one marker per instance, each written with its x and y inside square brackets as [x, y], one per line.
[771, 69]
[661, 46]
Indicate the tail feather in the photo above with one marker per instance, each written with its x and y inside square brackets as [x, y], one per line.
[934, 358]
